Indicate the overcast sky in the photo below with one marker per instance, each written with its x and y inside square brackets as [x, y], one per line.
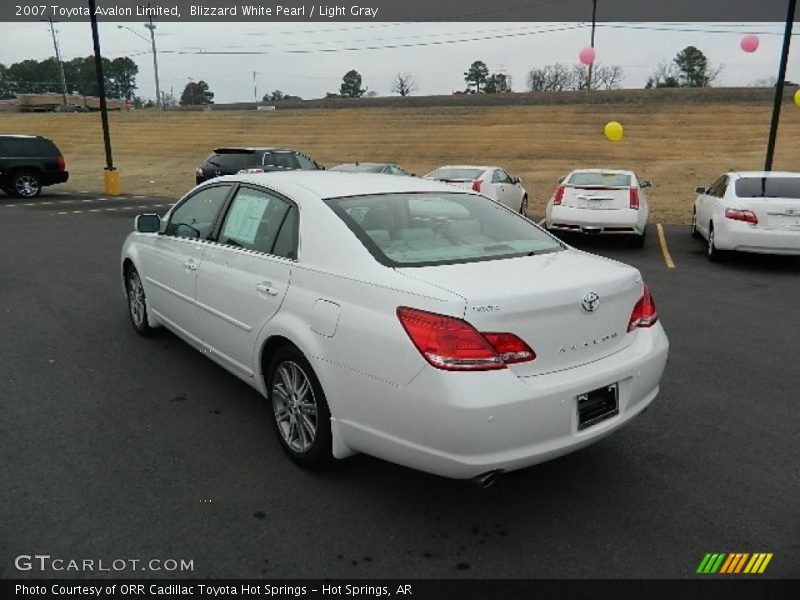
[309, 59]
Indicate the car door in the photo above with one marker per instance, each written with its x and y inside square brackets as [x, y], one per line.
[171, 262]
[245, 275]
[507, 192]
[705, 205]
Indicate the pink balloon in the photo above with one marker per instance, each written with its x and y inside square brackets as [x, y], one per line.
[749, 43]
[587, 56]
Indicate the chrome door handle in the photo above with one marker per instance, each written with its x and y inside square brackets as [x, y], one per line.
[191, 265]
[266, 288]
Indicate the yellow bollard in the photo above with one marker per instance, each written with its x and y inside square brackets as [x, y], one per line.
[111, 180]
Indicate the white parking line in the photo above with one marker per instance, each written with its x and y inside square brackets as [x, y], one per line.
[109, 209]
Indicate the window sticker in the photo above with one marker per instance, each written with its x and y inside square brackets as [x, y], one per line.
[245, 218]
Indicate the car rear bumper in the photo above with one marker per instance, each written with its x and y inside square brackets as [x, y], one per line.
[742, 237]
[463, 425]
[55, 177]
[623, 221]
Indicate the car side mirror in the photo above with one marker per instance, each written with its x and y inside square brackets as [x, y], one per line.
[701, 190]
[561, 179]
[148, 223]
[516, 180]
[646, 184]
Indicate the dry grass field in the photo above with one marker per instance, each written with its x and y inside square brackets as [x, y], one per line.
[677, 146]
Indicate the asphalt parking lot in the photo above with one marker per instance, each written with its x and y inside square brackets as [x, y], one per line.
[116, 446]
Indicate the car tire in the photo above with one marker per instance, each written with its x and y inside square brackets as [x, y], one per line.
[712, 252]
[523, 208]
[26, 184]
[137, 303]
[296, 397]
[695, 233]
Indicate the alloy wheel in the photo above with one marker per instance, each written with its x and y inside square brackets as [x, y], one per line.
[136, 299]
[27, 186]
[295, 406]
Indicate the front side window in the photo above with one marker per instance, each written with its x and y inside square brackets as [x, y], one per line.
[254, 220]
[195, 217]
[422, 229]
[715, 187]
[306, 163]
[501, 176]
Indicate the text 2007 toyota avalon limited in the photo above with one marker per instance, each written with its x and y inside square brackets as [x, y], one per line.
[399, 317]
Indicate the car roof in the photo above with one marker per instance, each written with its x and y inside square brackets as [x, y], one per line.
[485, 168]
[764, 174]
[253, 149]
[365, 164]
[18, 137]
[611, 171]
[337, 184]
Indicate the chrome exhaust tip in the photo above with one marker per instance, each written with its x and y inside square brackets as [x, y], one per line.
[487, 479]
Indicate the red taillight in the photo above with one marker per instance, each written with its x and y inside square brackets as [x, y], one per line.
[644, 313]
[634, 198]
[61, 163]
[748, 216]
[476, 185]
[455, 345]
[559, 195]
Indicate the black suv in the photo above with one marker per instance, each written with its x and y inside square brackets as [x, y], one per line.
[28, 163]
[229, 161]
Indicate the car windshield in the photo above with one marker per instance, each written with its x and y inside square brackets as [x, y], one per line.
[768, 187]
[593, 178]
[359, 168]
[455, 174]
[234, 160]
[422, 229]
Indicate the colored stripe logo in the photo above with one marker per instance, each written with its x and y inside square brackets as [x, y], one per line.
[734, 563]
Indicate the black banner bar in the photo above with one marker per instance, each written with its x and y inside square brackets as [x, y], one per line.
[394, 10]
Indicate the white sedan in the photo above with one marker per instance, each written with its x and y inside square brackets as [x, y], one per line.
[399, 317]
[749, 212]
[492, 182]
[600, 201]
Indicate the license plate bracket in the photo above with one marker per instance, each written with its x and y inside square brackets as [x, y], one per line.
[597, 406]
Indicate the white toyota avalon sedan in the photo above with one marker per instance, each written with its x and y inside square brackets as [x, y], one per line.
[602, 201]
[749, 212]
[399, 317]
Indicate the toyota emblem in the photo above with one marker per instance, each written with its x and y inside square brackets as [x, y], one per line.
[590, 301]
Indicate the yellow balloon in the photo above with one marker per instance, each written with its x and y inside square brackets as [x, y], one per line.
[797, 97]
[614, 131]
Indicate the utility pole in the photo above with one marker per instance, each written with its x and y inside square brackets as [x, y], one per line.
[152, 28]
[591, 66]
[776, 110]
[255, 87]
[111, 177]
[58, 58]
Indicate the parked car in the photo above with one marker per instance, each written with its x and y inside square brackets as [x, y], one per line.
[229, 161]
[493, 182]
[399, 317]
[600, 201]
[368, 167]
[28, 163]
[757, 211]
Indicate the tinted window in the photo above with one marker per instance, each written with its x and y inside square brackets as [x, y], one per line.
[768, 187]
[233, 161]
[195, 217]
[282, 160]
[456, 174]
[583, 178]
[306, 163]
[28, 147]
[712, 191]
[286, 244]
[409, 230]
[254, 220]
[501, 176]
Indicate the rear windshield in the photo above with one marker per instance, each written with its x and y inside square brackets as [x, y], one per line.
[600, 179]
[359, 168]
[768, 187]
[282, 160]
[448, 174]
[422, 229]
[233, 161]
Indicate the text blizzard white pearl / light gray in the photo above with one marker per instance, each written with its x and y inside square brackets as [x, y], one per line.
[279, 11]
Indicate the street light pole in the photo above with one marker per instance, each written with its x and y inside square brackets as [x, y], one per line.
[776, 110]
[58, 58]
[591, 65]
[152, 28]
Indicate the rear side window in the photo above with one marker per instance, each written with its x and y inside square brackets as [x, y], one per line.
[768, 187]
[422, 229]
[582, 179]
[306, 163]
[233, 161]
[254, 221]
[195, 217]
[448, 174]
[27, 148]
[282, 160]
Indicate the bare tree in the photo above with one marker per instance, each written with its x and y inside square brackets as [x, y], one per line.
[550, 78]
[559, 77]
[404, 84]
[603, 78]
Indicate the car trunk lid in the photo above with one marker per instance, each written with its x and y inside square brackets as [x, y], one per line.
[540, 299]
[595, 197]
